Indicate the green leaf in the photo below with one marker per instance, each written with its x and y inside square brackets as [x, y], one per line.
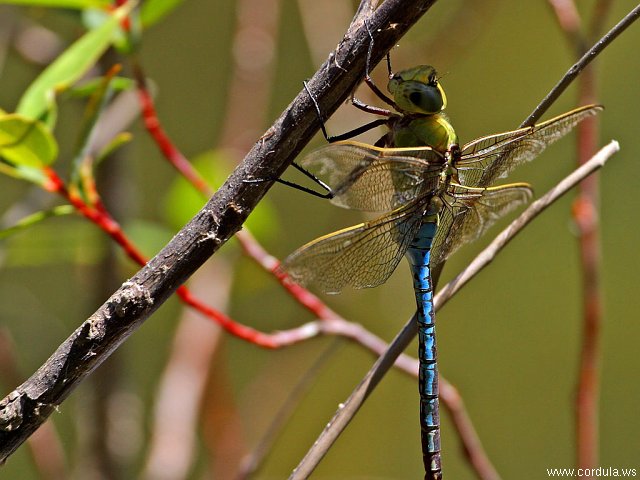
[153, 11]
[77, 4]
[26, 142]
[183, 200]
[70, 66]
[116, 142]
[123, 41]
[30, 174]
[82, 165]
[118, 84]
[35, 218]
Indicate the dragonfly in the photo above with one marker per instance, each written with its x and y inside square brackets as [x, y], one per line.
[434, 196]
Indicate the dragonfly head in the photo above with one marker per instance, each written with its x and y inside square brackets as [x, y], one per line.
[416, 90]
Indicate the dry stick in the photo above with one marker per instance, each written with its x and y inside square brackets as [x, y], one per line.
[30, 404]
[349, 408]
[254, 460]
[577, 67]
[472, 446]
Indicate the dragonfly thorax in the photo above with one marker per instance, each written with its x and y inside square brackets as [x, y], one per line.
[421, 130]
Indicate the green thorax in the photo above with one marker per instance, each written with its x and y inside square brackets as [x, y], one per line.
[434, 131]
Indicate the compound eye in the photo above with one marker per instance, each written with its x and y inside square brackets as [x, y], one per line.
[426, 98]
[415, 98]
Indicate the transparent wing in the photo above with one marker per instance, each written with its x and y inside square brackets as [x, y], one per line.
[487, 158]
[368, 178]
[361, 256]
[469, 212]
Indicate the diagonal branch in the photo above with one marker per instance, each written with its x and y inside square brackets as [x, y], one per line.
[26, 408]
[580, 65]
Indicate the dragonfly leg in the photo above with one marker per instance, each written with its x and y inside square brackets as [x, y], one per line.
[318, 111]
[365, 107]
[367, 77]
[327, 194]
[352, 133]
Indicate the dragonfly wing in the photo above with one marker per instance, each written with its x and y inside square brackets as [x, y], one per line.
[487, 158]
[368, 178]
[361, 256]
[470, 212]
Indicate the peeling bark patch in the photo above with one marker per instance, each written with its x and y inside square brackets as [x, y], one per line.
[132, 297]
[96, 329]
[11, 411]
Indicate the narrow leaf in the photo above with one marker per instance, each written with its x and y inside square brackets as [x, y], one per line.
[76, 4]
[70, 66]
[118, 84]
[153, 11]
[34, 218]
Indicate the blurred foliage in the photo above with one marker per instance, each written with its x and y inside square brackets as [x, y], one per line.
[498, 59]
[182, 201]
[26, 142]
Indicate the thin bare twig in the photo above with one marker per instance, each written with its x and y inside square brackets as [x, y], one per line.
[585, 214]
[586, 217]
[473, 449]
[252, 462]
[577, 67]
[350, 407]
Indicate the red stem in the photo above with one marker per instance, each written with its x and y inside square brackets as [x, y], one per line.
[585, 212]
[103, 220]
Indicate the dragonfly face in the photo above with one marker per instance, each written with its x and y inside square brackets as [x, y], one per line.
[417, 91]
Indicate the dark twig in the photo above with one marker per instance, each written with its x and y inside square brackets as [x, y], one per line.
[24, 409]
[577, 67]
[351, 406]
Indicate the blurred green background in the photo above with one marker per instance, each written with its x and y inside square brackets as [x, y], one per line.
[510, 341]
